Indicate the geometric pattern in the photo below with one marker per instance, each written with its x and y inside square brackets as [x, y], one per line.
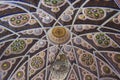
[59, 40]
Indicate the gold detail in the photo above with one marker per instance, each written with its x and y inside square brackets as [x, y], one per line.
[59, 32]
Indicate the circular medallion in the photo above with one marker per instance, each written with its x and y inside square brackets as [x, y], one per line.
[59, 32]
[58, 35]
[88, 77]
[77, 40]
[78, 28]
[5, 65]
[94, 13]
[66, 18]
[101, 40]
[47, 19]
[18, 46]
[37, 32]
[117, 58]
[19, 74]
[19, 20]
[37, 62]
[86, 59]
[67, 49]
[53, 3]
[106, 70]
[53, 49]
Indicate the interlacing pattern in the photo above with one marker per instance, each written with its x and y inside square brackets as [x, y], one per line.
[59, 40]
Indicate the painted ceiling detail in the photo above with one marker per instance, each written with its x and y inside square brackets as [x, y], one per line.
[59, 39]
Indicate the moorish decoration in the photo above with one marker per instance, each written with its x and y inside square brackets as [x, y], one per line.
[59, 39]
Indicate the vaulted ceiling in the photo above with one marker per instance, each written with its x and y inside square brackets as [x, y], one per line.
[59, 40]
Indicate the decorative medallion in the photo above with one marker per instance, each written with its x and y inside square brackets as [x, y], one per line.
[37, 62]
[18, 46]
[59, 35]
[102, 40]
[94, 13]
[19, 20]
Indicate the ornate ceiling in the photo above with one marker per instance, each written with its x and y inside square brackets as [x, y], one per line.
[59, 40]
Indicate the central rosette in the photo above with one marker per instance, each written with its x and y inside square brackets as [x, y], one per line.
[59, 32]
[59, 35]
